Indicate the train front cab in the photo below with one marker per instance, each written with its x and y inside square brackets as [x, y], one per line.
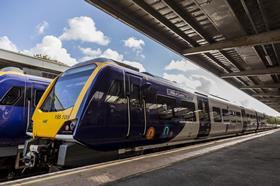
[55, 116]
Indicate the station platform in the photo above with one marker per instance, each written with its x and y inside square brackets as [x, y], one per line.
[252, 163]
[251, 159]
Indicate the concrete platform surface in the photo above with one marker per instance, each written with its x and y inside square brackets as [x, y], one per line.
[245, 160]
[255, 162]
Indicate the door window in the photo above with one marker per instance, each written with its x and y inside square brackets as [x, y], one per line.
[203, 110]
[226, 115]
[134, 95]
[38, 94]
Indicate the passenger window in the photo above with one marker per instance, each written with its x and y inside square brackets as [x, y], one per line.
[116, 93]
[232, 118]
[238, 117]
[226, 115]
[217, 114]
[38, 95]
[185, 110]
[12, 96]
[165, 107]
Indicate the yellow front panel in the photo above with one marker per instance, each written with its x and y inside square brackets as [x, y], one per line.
[47, 124]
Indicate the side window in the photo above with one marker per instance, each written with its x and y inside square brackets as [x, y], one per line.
[238, 117]
[232, 118]
[151, 100]
[116, 93]
[12, 96]
[38, 94]
[217, 114]
[134, 95]
[185, 110]
[165, 107]
[255, 118]
[226, 115]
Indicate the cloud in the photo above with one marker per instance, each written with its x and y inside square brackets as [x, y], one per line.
[183, 81]
[83, 28]
[41, 27]
[136, 44]
[181, 65]
[52, 47]
[207, 85]
[6, 44]
[196, 82]
[111, 54]
[90, 52]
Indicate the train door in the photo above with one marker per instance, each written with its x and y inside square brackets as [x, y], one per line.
[204, 116]
[33, 95]
[258, 120]
[136, 119]
[244, 120]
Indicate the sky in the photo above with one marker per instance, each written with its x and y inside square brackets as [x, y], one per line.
[75, 31]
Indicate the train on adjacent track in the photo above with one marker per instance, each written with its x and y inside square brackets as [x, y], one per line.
[104, 108]
[19, 95]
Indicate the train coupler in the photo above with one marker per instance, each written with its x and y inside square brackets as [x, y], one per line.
[39, 153]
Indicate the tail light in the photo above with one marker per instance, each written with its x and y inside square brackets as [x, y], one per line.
[68, 127]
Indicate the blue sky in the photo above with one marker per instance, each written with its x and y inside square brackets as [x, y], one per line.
[72, 30]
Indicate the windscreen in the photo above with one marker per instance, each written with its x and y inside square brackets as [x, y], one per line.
[67, 89]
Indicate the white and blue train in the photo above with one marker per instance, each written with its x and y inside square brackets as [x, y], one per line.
[101, 107]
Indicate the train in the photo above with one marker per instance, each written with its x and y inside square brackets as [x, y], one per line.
[19, 95]
[103, 108]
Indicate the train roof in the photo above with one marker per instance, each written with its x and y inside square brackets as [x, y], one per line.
[28, 77]
[127, 67]
[104, 60]
[158, 79]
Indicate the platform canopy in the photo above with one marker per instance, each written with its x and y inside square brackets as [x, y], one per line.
[238, 40]
[31, 65]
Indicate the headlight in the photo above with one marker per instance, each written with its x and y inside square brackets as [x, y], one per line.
[68, 127]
